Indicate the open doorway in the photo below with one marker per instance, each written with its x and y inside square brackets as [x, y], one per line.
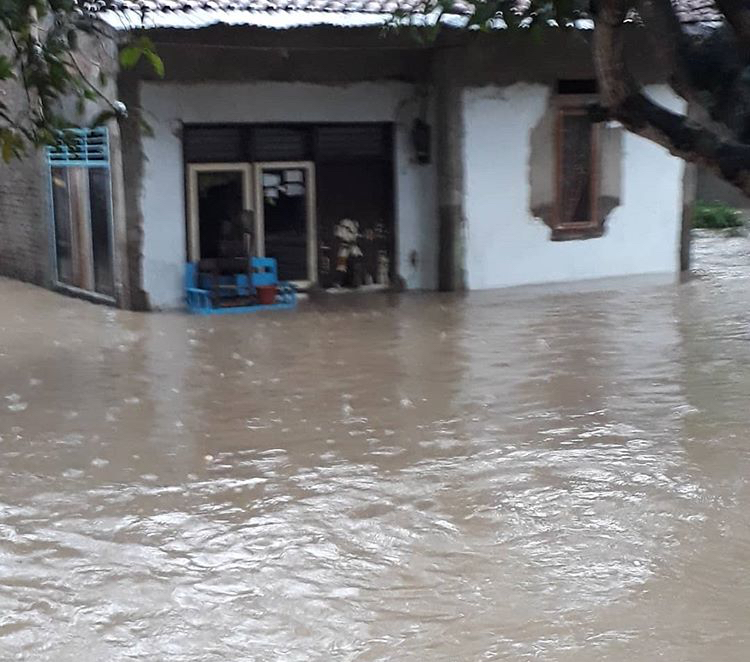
[220, 209]
[322, 196]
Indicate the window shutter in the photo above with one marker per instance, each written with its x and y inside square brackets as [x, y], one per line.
[270, 143]
[213, 144]
[352, 142]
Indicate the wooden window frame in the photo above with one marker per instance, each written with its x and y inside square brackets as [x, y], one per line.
[577, 106]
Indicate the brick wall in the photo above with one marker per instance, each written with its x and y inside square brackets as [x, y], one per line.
[24, 234]
[24, 187]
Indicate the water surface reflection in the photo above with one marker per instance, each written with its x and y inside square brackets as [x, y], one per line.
[545, 474]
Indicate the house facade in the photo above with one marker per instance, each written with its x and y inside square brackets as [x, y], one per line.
[358, 157]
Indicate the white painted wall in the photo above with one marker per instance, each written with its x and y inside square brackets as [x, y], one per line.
[507, 246]
[163, 200]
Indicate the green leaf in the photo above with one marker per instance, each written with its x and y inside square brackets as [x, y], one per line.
[129, 56]
[104, 117]
[146, 43]
[157, 64]
[11, 145]
[7, 150]
[146, 128]
[6, 68]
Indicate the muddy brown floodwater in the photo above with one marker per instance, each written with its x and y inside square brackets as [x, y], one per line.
[539, 474]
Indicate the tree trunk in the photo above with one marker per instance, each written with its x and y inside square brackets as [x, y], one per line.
[625, 102]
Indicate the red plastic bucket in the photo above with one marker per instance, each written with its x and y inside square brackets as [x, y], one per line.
[266, 294]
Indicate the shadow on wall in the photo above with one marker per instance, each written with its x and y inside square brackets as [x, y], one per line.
[545, 168]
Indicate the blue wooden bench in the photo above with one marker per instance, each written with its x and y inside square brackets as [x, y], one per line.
[211, 288]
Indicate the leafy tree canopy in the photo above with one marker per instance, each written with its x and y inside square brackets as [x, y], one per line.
[53, 64]
[703, 46]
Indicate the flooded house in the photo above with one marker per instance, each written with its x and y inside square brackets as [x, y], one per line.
[355, 154]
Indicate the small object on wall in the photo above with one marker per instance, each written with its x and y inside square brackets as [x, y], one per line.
[421, 134]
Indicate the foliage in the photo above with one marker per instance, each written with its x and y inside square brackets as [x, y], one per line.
[42, 56]
[131, 54]
[706, 63]
[716, 216]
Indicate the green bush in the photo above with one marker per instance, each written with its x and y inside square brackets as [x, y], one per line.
[716, 216]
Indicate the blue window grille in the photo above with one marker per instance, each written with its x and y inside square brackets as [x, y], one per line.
[82, 148]
[81, 213]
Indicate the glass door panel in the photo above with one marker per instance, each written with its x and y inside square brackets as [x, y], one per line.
[62, 225]
[220, 200]
[82, 223]
[101, 240]
[286, 222]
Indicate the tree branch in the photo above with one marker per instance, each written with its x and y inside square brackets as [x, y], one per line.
[84, 78]
[675, 52]
[737, 13]
[19, 57]
[626, 103]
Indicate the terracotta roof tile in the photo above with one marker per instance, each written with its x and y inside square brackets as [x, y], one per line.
[697, 11]
[688, 11]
